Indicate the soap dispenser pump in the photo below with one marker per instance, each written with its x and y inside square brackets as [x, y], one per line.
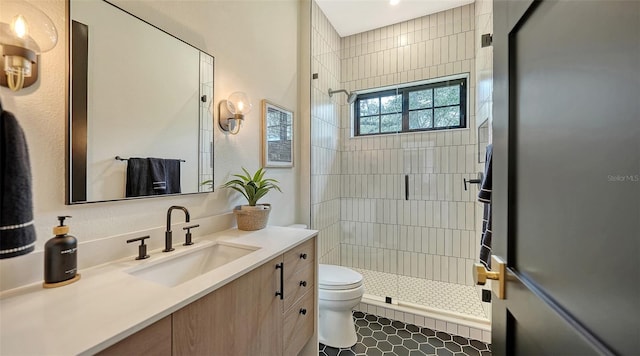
[60, 257]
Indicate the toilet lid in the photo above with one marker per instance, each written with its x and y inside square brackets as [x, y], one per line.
[338, 277]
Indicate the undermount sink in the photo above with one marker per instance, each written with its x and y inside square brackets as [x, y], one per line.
[178, 269]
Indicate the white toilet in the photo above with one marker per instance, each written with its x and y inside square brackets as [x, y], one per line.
[339, 291]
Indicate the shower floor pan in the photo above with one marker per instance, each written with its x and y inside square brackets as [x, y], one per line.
[456, 299]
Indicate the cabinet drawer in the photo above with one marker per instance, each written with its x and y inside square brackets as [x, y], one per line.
[298, 324]
[297, 285]
[299, 258]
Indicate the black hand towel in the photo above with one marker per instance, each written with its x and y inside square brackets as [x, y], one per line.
[138, 178]
[172, 176]
[158, 175]
[484, 196]
[152, 176]
[165, 175]
[17, 232]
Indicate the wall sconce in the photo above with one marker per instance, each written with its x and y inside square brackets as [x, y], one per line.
[25, 32]
[238, 105]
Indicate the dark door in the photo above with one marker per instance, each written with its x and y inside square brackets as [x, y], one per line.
[566, 186]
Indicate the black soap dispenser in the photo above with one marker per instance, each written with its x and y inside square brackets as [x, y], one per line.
[60, 257]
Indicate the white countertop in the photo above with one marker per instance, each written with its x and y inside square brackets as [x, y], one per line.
[107, 304]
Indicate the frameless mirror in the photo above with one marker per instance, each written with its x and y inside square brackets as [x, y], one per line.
[140, 120]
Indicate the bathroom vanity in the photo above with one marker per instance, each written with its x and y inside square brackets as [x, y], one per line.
[262, 303]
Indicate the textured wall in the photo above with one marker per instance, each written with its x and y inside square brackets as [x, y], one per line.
[256, 49]
[432, 235]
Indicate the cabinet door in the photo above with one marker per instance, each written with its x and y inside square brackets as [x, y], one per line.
[154, 340]
[241, 318]
[299, 323]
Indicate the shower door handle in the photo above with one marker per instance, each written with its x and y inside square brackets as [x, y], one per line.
[406, 187]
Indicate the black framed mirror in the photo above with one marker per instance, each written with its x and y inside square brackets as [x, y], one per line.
[140, 117]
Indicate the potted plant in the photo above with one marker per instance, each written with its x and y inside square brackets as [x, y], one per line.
[253, 216]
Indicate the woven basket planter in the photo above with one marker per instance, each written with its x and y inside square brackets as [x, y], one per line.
[252, 218]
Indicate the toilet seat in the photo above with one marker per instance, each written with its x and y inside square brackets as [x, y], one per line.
[331, 277]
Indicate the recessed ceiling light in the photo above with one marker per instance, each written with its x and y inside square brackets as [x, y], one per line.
[394, 2]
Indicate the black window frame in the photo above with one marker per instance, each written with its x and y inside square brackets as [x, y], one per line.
[404, 91]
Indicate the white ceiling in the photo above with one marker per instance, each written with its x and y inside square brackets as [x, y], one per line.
[354, 16]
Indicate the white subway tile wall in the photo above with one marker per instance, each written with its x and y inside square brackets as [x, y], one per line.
[433, 234]
[484, 102]
[325, 133]
[358, 183]
[484, 61]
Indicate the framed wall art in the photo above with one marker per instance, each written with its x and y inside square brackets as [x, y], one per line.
[277, 135]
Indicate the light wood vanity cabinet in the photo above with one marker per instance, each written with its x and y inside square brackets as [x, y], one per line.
[247, 317]
[241, 318]
[298, 305]
[154, 340]
[299, 271]
[244, 317]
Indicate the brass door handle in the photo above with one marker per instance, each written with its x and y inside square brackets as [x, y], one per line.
[481, 274]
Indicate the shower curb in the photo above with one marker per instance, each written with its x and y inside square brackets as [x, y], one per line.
[453, 324]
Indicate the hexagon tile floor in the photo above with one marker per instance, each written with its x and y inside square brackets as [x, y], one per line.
[378, 336]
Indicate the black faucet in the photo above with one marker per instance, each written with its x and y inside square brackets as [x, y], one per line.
[167, 234]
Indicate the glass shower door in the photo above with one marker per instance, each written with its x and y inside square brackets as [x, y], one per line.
[372, 180]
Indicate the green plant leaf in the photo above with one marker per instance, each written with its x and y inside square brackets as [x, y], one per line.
[241, 192]
[253, 187]
[234, 182]
[244, 178]
[251, 193]
[259, 174]
[249, 175]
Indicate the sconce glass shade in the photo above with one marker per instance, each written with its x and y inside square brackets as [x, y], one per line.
[23, 25]
[239, 103]
[25, 31]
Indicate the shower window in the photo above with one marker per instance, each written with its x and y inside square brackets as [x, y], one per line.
[380, 112]
[433, 106]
